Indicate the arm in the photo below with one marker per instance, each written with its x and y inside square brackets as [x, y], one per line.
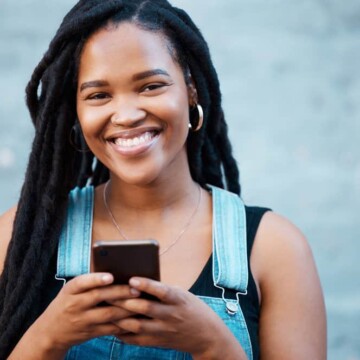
[179, 321]
[73, 316]
[32, 347]
[6, 226]
[292, 317]
[26, 343]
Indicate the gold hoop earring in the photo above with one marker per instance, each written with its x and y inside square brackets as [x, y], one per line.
[200, 118]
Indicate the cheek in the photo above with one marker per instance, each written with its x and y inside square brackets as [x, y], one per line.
[90, 120]
[175, 111]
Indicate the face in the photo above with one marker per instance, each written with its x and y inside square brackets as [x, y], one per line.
[133, 104]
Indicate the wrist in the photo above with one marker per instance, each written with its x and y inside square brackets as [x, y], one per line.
[224, 347]
[36, 346]
[51, 350]
[207, 355]
[223, 352]
[208, 351]
[48, 344]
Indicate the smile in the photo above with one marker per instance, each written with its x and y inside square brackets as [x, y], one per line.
[135, 141]
[134, 144]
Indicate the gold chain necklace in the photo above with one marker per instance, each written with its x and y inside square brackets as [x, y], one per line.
[112, 217]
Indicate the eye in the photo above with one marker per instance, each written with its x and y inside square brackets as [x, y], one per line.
[98, 96]
[152, 87]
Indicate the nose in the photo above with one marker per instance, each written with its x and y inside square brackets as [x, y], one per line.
[127, 114]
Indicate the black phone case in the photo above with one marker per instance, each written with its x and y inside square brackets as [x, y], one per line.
[127, 258]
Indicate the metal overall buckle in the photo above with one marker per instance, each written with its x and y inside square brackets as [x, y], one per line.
[231, 307]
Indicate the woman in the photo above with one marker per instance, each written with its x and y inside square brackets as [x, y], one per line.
[127, 101]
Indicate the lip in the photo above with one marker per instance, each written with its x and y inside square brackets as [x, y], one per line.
[129, 134]
[137, 149]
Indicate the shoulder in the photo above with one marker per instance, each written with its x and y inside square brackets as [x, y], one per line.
[281, 247]
[254, 215]
[6, 226]
[292, 300]
[279, 243]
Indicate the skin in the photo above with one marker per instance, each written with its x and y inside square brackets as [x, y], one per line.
[154, 188]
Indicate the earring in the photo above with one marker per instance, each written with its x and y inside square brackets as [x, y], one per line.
[76, 139]
[200, 118]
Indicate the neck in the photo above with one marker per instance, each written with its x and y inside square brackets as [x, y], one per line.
[154, 208]
[155, 198]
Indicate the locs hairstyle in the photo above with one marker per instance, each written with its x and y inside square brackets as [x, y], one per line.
[55, 167]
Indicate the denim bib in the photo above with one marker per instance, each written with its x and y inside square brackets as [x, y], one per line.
[230, 270]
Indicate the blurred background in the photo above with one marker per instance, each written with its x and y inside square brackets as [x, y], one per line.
[290, 79]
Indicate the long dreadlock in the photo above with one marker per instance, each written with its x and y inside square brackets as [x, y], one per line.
[55, 167]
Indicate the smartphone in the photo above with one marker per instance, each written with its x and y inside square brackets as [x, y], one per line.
[127, 258]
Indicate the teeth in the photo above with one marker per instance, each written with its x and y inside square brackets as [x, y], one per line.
[136, 140]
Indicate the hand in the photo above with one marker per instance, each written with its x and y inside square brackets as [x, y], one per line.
[179, 321]
[74, 317]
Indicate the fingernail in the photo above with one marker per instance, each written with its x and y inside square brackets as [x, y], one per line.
[134, 292]
[106, 278]
[134, 282]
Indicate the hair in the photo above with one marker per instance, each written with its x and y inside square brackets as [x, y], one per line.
[55, 167]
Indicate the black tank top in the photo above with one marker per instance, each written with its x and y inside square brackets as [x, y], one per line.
[203, 285]
[249, 303]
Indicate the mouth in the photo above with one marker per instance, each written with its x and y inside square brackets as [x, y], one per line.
[134, 142]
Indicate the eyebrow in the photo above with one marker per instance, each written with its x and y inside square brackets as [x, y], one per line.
[149, 73]
[94, 83]
[136, 77]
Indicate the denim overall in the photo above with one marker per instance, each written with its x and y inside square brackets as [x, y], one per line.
[230, 270]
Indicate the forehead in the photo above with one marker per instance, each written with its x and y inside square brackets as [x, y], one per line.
[125, 46]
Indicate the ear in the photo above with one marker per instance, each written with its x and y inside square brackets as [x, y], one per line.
[192, 92]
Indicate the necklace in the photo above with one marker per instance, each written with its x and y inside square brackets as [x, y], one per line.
[181, 233]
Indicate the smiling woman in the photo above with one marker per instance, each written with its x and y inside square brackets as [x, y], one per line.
[134, 82]
[146, 100]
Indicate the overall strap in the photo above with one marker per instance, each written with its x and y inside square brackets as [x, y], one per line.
[75, 238]
[230, 262]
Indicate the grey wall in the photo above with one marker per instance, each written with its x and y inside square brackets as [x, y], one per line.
[291, 84]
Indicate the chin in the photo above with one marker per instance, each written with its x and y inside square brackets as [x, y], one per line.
[138, 178]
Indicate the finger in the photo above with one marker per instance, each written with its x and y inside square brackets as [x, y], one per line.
[106, 329]
[148, 308]
[140, 340]
[107, 315]
[121, 332]
[141, 326]
[83, 283]
[167, 294]
[110, 294]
